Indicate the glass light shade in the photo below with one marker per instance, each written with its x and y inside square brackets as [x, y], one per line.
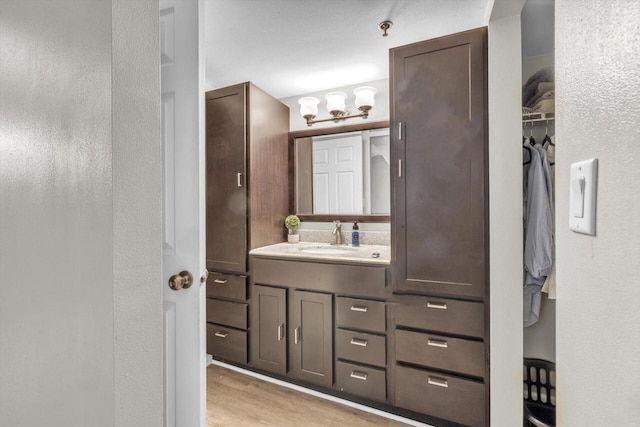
[336, 101]
[365, 96]
[308, 106]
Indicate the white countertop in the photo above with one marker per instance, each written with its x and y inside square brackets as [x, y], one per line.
[362, 254]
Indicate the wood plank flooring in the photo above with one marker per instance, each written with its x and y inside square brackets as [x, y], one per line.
[238, 400]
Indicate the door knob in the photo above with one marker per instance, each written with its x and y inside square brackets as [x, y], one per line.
[182, 280]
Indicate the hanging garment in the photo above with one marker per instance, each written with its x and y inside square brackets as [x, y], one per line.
[538, 227]
[549, 286]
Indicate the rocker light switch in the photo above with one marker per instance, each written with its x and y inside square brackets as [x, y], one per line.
[582, 197]
[577, 197]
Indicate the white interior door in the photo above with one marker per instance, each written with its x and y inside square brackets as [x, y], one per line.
[337, 175]
[182, 72]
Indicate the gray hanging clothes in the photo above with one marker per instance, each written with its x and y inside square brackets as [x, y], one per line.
[538, 228]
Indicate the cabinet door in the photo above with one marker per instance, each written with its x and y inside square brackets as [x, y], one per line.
[268, 328]
[312, 332]
[440, 181]
[226, 173]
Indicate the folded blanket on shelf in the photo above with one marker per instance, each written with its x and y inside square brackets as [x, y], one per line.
[529, 89]
[545, 106]
[540, 96]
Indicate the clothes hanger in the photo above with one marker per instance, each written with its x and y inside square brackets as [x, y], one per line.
[532, 140]
[547, 138]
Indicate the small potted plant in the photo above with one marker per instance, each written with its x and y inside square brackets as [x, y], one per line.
[292, 222]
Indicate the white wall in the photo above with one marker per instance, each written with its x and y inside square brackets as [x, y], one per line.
[137, 214]
[537, 27]
[505, 214]
[80, 231]
[598, 319]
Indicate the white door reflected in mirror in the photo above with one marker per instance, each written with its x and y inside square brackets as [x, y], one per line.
[344, 173]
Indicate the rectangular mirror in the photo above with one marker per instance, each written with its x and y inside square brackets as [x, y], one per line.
[341, 173]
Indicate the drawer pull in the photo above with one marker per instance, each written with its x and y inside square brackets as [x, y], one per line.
[438, 305]
[360, 308]
[440, 382]
[280, 332]
[359, 375]
[222, 282]
[436, 343]
[222, 334]
[296, 335]
[360, 342]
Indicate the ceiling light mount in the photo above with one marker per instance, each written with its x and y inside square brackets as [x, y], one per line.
[336, 105]
[384, 26]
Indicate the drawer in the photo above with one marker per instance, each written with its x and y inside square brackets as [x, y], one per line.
[356, 280]
[444, 315]
[361, 347]
[366, 382]
[229, 286]
[443, 396]
[226, 343]
[228, 313]
[437, 351]
[360, 314]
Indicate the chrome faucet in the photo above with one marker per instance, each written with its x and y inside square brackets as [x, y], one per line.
[337, 232]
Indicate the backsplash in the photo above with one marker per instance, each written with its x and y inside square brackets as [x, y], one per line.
[382, 238]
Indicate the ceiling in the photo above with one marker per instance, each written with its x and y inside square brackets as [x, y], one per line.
[292, 47]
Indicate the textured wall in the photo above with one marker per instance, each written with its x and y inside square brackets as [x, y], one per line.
[505, 219]
[80, 217]
[137, 214]
[598, 320]
[56, 293]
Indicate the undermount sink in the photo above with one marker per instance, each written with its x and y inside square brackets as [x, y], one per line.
[327, 250]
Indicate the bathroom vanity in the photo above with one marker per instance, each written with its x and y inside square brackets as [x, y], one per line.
[406, 330]
[332, 321]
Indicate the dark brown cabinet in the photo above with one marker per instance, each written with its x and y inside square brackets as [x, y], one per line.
[440, 184]
[268, 328]
[441, 395]
[312, 332]
[360, 380]
[439, 226]
[246, 170]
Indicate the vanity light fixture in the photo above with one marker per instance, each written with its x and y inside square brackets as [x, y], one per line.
[336, 105]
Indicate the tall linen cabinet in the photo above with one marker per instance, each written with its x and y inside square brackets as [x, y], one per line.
[440, 233]
[247, 172]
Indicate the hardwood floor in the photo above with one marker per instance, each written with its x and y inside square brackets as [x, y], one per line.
[238, 400]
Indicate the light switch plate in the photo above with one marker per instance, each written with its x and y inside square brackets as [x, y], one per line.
[582, 207]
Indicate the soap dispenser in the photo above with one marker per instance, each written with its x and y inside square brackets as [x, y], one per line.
[355, 235]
